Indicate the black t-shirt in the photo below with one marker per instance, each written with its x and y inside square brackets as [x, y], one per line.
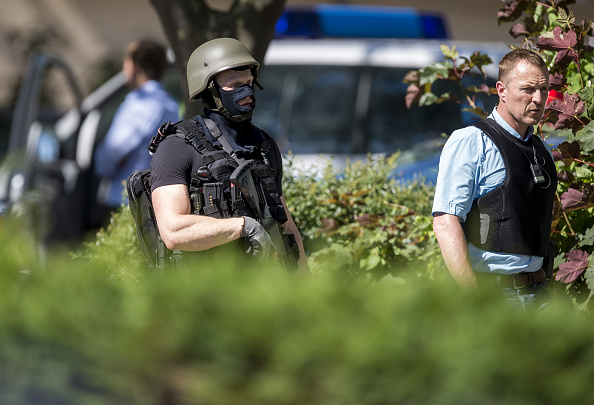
[175, 161]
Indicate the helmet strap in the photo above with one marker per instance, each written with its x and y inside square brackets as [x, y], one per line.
[214, 91]
[258, 84]
[254, 71]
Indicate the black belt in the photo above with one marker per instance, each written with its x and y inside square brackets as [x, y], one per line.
[519, 280]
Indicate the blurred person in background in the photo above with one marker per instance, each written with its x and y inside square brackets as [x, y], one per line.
[137, 120]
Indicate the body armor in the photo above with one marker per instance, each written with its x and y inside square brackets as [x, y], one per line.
[516, 216]
[212, 192]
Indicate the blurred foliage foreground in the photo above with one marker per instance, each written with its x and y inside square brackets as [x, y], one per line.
[99, 328]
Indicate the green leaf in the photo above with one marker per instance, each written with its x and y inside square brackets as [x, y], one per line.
[371, 262]
[586, 137]
[552, 19]
[538, 12]
[433, 72]
[588, 65]
[586, 94]
[448, 52]
[583, 173]
[481, 60]
[565, 20]
[587, 238]
[574, 82]
[562, 133]
[428, 99]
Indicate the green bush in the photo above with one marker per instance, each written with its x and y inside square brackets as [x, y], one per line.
[361, 222]
[115, 248]
[231, 332]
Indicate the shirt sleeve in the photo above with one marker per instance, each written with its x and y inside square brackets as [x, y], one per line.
[172, 163]
[459, 171]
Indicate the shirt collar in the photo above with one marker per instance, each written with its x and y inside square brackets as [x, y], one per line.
[495, 115]
[150, 85]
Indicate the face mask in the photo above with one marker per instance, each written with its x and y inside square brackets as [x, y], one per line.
[230, 99]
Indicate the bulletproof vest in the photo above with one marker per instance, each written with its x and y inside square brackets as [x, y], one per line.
[516, 216]
[211, 190]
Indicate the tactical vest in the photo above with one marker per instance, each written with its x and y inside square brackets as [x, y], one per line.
[225, 186]
[516, 216]
[211, 190]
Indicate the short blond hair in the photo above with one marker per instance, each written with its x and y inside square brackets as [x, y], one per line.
[511, 59]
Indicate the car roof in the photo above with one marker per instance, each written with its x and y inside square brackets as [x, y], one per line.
[404, 53]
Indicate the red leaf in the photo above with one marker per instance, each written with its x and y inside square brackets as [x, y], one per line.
[562, 42]
[567, 152]
[564, 177]
[559, 41]
[576, 264]
[511, 11]
[573, 199]
[570, 199]
[518, 29]
[571, 105]
[367, 220]
[413, 93]
[557, 81]
[569, 109]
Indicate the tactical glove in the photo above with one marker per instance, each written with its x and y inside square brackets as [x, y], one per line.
[258, 241]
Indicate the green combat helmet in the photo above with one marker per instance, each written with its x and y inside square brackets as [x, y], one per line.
[211, 58]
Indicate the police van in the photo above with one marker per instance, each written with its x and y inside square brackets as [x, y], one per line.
[333, 88]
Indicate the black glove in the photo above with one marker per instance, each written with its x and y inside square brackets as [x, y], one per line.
[258, 241]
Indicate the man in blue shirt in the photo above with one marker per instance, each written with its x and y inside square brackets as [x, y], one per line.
[488, 174]
[123, 151]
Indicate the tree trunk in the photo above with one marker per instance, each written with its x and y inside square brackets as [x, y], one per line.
[190, 23]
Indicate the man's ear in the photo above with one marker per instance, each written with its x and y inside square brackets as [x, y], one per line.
[501, 90]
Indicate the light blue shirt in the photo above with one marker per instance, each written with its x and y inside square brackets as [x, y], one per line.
[124, 149]
[470, 166]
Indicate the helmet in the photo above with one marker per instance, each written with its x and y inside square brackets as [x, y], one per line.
[213, 57]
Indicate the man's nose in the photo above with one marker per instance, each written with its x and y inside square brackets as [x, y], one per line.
[538, 97]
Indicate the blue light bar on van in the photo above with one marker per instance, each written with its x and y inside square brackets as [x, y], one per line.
[350, 21]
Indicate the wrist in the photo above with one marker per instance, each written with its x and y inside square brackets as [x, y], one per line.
[242, 226]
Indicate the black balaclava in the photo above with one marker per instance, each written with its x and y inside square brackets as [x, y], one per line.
[230, 100]
[226, 103]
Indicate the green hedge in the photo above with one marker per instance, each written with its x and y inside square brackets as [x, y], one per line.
[362, 222]
[98, 327]
[231, 332]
